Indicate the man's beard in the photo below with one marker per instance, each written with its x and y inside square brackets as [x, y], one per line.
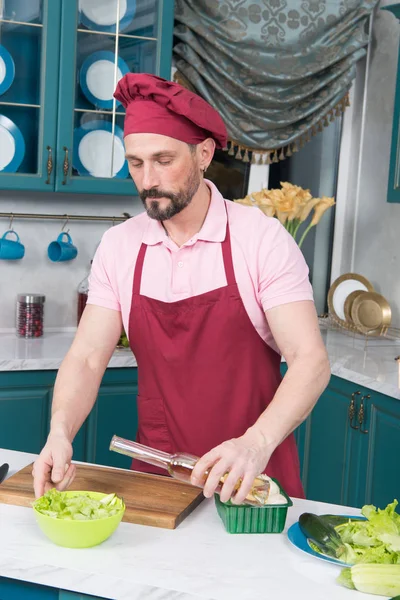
[179, 200]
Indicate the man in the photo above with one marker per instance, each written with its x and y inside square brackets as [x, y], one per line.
[211, 293]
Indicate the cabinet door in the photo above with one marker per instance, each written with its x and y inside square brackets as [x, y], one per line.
[331, 447]
[381, 450]
[12, 589]
[115, 413]
[393, 193]
[97, 48]
[24, 410]
[29, 61]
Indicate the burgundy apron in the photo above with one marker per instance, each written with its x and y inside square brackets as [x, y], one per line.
[205, 375]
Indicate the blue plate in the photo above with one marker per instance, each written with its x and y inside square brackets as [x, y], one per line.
[101, 15]
[298, 539]
[7, 70]
[92, 150]
[11, 155]
[97, 77]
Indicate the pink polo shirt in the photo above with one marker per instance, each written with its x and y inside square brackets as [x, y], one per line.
[269, 266]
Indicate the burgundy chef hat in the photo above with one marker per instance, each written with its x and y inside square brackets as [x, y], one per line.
[156, 105]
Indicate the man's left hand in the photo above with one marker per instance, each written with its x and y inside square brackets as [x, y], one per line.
[243, 458]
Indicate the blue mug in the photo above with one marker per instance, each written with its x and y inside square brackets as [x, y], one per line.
[11, 249]
[60, 250]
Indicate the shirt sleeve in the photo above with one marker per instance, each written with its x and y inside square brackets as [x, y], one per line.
[283, 271]
[102, 291]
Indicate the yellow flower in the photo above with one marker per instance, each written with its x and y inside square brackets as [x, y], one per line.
[308, 208]
[247, 201]
[320, 208]
[264, 203]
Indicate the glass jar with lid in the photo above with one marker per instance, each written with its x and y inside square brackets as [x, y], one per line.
[30, 312]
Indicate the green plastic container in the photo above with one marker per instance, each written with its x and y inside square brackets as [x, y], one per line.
[270, 518]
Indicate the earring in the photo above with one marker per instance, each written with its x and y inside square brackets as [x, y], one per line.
[204, 170]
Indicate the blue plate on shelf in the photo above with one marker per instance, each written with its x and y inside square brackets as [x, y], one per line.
[12, 146]
[101, 15]
[93, 143]
[96, 78]
[7, 70]
[300, 541]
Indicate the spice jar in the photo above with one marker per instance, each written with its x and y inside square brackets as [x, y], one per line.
[30, 315]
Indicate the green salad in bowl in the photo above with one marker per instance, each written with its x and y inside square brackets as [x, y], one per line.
[78, 519]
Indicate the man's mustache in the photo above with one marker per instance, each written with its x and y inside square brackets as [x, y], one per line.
[144, 194]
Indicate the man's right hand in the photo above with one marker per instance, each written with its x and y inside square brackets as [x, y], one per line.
[53, 467]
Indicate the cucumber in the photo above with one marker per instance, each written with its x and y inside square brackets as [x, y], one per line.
[322, 534]
[334, 520]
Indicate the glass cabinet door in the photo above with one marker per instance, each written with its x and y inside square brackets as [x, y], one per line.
[29, 59]
[101, 42]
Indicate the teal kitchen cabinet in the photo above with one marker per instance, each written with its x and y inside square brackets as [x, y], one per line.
[380, 436]
[332, 446]
[58, 112]
[393, 193]
[349, 446]
[13, 589]
[29, 33]
[25, 409]
[115, 413]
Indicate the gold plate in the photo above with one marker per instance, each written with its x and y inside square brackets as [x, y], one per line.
[341, 288]
[371, 313]
[348, 303]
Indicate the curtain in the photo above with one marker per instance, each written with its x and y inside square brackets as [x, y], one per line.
[278, 71]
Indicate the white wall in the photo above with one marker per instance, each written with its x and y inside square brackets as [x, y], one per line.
[367, 235]
[35, 272]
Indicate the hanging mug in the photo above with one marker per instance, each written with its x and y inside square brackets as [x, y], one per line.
[61, 250]
[11, 249]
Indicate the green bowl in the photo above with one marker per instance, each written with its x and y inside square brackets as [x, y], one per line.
[79, 534]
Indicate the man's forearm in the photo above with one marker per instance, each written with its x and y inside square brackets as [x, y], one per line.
[75, 393]
[304, 382]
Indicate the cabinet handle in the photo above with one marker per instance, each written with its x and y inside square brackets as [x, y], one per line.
[65, 165]
[361, 413]
[352, 409]
[49, 164]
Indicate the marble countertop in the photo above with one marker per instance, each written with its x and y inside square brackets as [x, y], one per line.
[47, 352]
[198, 560]
[369, 363]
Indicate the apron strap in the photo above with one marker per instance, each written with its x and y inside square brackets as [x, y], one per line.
[227, 256]
[137, 277]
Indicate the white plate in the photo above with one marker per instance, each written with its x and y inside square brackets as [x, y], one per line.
[341, 288]
[12, 146]
[102, 14]
[97, 78]
[94, 145]
[7, 145]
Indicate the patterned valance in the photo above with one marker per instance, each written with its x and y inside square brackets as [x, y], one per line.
[278, 71]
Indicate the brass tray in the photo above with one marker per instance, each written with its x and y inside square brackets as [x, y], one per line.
[348, 303]
[371, 313]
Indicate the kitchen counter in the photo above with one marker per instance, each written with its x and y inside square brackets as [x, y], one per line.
[47, 352]
[198, 560]
[371, 364]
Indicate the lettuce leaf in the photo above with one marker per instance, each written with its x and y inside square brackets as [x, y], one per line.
[79, 507]
[376, 540]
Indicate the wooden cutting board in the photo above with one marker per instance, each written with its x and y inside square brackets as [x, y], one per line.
[150, 499]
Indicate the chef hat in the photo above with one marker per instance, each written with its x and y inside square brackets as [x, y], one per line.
[156, 105]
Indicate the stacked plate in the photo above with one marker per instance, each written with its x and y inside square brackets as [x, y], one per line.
[355, 304]
[101, 15]
[12, 143]
[98, 77]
